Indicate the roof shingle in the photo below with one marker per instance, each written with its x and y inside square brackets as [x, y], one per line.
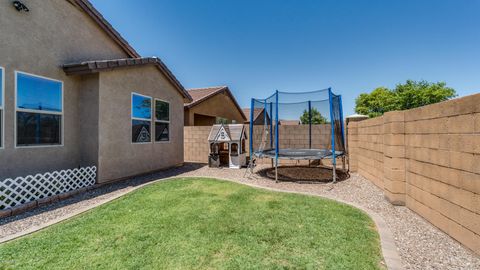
[94, 66]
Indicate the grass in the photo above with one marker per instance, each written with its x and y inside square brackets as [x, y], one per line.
[204, 224]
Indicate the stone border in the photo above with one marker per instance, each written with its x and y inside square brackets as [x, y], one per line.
[387, 243]
[22, 208]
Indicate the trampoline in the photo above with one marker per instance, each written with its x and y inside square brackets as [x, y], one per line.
[298, 154]
[298, 126]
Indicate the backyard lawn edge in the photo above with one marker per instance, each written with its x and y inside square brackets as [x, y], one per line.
[387, 243]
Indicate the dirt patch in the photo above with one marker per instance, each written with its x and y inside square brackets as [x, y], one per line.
[304, 174]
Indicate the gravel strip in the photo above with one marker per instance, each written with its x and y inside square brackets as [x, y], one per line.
[421, 245]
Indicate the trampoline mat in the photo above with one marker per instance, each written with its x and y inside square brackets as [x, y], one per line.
[298, 154]
[304, 174]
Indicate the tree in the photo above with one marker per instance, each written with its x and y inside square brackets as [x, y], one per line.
[376, 103]
[406, 96]
[414, 94]
[317, 117]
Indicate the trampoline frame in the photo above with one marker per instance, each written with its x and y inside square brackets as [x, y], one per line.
[289, 153]
[274, 152]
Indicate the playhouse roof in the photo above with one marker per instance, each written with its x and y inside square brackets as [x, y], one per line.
[234, 131]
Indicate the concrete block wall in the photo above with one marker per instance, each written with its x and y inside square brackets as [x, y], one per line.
[196, 145]
[196, 148]
[394, 164]
[366, 148]
[431, 162]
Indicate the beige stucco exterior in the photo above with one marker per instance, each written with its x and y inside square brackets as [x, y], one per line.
[118, 156]
[96, 113]
[219, 105]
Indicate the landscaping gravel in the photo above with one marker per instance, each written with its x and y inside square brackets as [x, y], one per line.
[420, 245]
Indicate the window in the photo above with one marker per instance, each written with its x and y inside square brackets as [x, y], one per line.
[141, 118]
[234, 150]
[221, 120]
[162, 121]
[1, 107]
[39, 110]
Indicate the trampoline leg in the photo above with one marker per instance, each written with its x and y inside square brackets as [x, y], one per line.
[276, 172]
[334, 173]
[343, 163]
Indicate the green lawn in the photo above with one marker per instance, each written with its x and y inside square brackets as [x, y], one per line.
[204, 224]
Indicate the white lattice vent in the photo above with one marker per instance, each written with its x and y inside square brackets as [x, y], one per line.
[22, 190]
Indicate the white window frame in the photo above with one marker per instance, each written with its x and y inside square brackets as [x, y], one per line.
[62, 128]
[161, 121]
[141, 119]
[2, 109]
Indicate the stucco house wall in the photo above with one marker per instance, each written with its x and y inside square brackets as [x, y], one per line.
[118, 156]
[220, 105]
[53, 33]
[96, 102]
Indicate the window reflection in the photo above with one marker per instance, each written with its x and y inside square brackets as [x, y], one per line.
[37, 93]
[39, 110]
[141, 131]
[38, 129]
[162, 110]
[141, 107]
[161, 132]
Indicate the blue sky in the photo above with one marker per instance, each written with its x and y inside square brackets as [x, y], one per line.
[353, 46]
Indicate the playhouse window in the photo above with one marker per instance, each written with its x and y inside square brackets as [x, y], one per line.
[234, 150]
[141, 118]
[39, 110]
[162, 121]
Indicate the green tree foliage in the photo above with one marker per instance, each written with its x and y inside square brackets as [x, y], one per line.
[317, 117]
[405, 96]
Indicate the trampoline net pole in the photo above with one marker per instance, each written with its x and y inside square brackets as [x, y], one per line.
[309, 124]
[276, 136]
[271, 127]
[252, 107]
[332, 123]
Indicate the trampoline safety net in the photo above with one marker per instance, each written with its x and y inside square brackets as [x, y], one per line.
[305, 125]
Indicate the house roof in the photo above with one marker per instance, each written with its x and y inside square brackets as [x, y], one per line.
[234, 131]
[88, 8]
[201, 94]
[256, 113]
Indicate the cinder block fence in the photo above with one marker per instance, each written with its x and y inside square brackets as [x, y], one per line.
[428, 159]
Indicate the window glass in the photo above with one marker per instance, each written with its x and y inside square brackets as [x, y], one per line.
[39, 110]
[162, 132]
[141, 131]
[221, 120]
[35, 93]
[1, 88]
[38, 129]
[162, 110]
[1, 128]
[234, 150]
[141, 107]
[162, 121]
[1, 107]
